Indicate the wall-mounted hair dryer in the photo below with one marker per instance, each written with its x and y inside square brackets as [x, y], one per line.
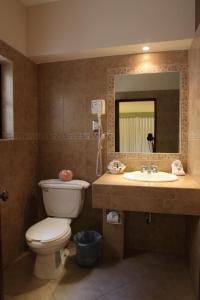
[98, 108]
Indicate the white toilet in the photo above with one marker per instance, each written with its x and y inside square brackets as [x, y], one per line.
[63, 201]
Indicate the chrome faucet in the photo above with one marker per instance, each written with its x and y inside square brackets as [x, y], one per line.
[149, 169]
[143, 169]
[154, 169]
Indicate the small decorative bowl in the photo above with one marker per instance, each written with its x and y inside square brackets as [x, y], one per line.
[116, 167]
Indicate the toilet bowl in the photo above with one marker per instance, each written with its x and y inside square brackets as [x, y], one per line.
[48, 238]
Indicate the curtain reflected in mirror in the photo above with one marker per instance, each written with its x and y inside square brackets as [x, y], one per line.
[147, 113]
[136, 125]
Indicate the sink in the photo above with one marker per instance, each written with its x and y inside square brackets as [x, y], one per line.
[153, 177]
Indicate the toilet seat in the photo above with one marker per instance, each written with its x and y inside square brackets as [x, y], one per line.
[48, 239]
[49, 230]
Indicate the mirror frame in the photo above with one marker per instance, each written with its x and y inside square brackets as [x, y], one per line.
[182, 68]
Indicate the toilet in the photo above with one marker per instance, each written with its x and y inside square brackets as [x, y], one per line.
[63, 201]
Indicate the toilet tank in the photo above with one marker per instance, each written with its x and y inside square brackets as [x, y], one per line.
[63, 199]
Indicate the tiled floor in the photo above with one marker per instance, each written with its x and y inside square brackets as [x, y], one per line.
[146, 276]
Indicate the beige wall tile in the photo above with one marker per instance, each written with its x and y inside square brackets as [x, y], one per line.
[194, 156]
[77, 83]
[193, 227]
[165, 234]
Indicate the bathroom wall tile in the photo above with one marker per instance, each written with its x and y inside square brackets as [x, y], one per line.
[78, 109]
[194, 91]
[165, 234]
[50, 153]
[193, 228]
[77, 83]
[18, 157]
[20, 211]
[66, 140]
[194, 156]
[52, 117]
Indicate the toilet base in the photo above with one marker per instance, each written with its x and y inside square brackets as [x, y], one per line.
[50, 266]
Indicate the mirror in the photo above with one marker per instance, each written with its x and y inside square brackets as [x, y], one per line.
[147, 113]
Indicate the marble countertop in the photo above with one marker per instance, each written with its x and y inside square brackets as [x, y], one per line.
[177, 197]
[183, 182]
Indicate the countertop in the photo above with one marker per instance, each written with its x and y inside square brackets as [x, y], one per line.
[177, 197]
[183, 182]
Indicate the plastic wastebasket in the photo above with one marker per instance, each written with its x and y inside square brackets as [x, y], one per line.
[88, 247]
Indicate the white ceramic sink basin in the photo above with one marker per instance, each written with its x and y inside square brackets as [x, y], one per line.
[153, 177]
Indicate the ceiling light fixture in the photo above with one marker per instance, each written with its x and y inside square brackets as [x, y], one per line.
[145, 48]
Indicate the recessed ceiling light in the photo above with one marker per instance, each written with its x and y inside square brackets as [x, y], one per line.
[145, 48]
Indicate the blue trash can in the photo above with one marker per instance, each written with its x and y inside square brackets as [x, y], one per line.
[88, 247]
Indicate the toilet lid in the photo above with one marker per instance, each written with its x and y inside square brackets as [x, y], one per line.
[49, 229]
[74, 184]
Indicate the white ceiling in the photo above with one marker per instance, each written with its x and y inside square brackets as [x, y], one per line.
[36, 2]
[123, 50]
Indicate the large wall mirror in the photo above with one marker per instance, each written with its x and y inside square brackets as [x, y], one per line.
[147, 112]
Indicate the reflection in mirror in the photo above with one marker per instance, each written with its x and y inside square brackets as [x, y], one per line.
[147, 112]
[136, 125]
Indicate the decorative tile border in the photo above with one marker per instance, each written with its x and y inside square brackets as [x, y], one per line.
[183, 134]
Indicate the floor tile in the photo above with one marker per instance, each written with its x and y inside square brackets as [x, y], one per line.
[144, 276]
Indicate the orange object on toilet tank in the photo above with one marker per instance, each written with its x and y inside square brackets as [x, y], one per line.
[65, 175]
